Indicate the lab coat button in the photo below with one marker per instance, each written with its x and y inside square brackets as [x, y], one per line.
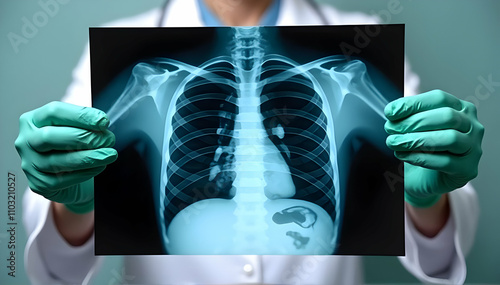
[248, 269]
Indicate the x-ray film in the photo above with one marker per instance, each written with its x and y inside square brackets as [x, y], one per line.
[249, 140]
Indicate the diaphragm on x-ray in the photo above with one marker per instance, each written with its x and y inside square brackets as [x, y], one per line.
[249, 140]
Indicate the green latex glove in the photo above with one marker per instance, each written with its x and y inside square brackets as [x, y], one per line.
[439, 138]
[62, 147]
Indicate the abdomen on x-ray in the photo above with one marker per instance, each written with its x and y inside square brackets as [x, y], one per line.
[245, 150]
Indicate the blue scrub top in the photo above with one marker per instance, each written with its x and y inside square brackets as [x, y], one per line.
[270, 17]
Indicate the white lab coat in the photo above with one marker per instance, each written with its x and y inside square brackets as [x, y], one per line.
[50, 260]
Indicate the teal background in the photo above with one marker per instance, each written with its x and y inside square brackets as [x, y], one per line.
[450, 44]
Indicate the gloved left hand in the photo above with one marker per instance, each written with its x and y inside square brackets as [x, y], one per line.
[439, 138]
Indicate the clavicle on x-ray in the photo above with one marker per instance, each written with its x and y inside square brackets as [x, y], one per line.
[249, 145]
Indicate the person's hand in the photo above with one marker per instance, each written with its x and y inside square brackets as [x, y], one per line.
[62, 147]
[439, 138]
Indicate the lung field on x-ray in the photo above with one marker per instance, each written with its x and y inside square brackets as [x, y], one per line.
[248, 153]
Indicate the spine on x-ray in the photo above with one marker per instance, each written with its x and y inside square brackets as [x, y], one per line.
[250, 135]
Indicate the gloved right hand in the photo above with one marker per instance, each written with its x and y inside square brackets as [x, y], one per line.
[62, 147]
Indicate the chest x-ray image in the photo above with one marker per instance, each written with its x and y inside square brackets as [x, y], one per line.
[249, 140]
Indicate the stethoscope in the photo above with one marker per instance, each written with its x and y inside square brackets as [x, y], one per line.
[312, 3]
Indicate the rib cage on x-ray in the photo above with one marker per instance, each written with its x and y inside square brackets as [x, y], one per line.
[201, 130]
[204, 123]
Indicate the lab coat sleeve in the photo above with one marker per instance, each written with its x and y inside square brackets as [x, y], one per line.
[441, 260]
[48, 258]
